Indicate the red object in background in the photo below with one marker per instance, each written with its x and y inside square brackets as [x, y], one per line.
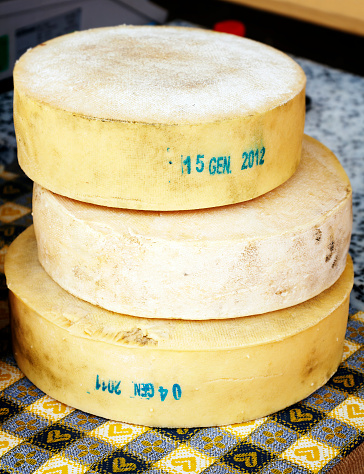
[234, 27]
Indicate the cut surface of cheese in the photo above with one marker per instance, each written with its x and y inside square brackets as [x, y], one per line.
[170, 373]
[158, 118]
[249, 258]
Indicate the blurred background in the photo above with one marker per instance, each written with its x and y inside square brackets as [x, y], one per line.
[327, 31]
[330, 32]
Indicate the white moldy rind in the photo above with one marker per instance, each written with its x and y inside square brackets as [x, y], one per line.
[269, 253]
[159, 75]
[216, 372]
[158, 118]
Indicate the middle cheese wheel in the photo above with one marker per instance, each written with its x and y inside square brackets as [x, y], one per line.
[250, 258]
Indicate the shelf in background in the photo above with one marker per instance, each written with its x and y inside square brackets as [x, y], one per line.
[346, 16]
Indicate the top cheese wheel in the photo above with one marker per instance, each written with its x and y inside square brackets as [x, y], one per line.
[158, 118]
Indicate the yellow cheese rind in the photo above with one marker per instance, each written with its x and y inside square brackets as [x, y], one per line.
[270, 253]
[216, 372]
[189, 157]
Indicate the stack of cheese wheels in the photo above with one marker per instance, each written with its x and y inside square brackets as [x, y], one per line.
[188, 264]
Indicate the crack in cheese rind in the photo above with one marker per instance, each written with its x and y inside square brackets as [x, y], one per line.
[125, 364]
[270, 253]
[189, 151]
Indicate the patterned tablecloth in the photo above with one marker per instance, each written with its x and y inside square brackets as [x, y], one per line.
[40, 435]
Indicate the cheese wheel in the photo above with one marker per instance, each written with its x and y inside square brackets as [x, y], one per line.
[164, 372]
[158, 118]
[249, 258]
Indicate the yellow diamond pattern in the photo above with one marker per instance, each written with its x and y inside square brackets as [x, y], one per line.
[242, 430]
[310, 453]
[50, 408]
[8, 375]
[184, 460]
[350, 411]
[3, 252]
[8, 442]
[118, 434]
[359, 316]
[7, 175]
[349, 348]
[60, 465]
[11, 211]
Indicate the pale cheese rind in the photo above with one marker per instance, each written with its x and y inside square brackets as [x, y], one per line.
[158, 118]
[216, 372]
[269, 253]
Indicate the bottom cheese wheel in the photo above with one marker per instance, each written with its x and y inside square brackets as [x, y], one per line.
[170, 373]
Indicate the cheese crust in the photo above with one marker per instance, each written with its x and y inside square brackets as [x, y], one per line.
[158, 118]
[215, 372]
[269, 253]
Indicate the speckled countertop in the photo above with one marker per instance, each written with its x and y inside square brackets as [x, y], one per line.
[335, 116]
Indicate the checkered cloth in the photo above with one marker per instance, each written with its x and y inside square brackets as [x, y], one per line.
[41, 435]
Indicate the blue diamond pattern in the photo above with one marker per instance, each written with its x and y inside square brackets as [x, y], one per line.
[356, 361]
[214, 442]
[355, 331]
[83, 421]
[334, 432]
[24, 392]
[87, 451]
[151, 446]
[325, 399]
[24, 459]
[281, 466]
[25, 424]
[220, 468]
[274, 437]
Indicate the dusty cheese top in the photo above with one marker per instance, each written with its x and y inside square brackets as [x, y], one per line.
[319, 187]
[82, 319]
[158, 74]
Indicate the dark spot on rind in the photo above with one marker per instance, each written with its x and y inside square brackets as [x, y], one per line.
[136, 336]
[280, 292]
[311, 366]
[318, 235]
[334, 263]
[331, 248]
[35, 360]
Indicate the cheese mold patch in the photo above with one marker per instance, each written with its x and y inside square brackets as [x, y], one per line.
[262, 255]
[158, 118]
[164, 372]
